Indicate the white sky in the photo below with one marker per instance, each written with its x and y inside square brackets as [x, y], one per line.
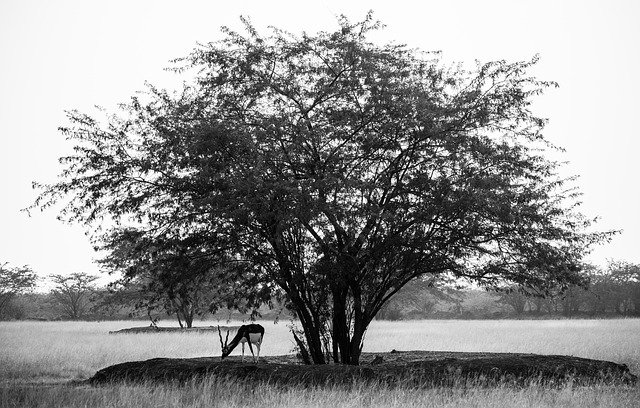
[57, 55]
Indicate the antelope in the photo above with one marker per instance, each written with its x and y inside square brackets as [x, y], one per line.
[252, 333]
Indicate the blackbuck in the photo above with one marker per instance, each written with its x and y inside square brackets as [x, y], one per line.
[251, 333]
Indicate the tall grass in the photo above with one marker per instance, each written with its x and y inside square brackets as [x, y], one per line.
[38, 358]
[225, 393]
[76, 350]
[612, 340]
[49, 351]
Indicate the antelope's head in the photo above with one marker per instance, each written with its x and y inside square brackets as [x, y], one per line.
[224, 345]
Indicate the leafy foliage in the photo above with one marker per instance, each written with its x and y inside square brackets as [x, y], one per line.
[187, 277]
[14, 281]
[72, 293]
[339, 169]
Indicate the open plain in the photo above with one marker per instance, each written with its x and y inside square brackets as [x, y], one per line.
[41, 364]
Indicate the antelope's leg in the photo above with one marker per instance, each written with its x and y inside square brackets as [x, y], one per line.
[243, 352]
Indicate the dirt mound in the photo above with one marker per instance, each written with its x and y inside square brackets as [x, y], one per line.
[151, 329]
[415, 368]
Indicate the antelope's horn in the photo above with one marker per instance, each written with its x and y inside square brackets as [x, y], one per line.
[226, 341]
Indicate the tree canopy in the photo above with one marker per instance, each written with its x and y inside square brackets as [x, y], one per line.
[14, 281]
[340, 169]
[185, 277]
[72, 293]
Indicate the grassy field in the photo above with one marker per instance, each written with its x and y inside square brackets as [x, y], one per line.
[37, 359]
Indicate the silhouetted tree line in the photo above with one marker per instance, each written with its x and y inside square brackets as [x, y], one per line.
[611, 292]
[76, 297]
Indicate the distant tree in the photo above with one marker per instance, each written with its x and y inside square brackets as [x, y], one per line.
[627, 277]
[572, 299]
[72, 293]
[603, 294]
[479, 304]
[14, 281]
[516, 297]
[612, 290]
[185, 277]
[418, 299]
[537, 304]
[615, 289]
[340, 169]
[116, 300]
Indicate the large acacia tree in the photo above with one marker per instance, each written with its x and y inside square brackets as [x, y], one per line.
[343, 169]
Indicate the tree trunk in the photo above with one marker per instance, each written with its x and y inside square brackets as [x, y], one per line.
[187, 312]
[304, 353]
[311, 330]
[340, 329]
[314, 344]
[74, 307]
[349, 345]
[176, 308]
[188, 318]
[356, 346]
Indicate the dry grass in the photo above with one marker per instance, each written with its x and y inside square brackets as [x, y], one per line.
[49, 351]
[227, 394]
[36, 359]
[611, 340]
